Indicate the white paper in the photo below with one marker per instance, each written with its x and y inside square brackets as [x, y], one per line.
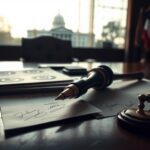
[32, 76]
[25, 116]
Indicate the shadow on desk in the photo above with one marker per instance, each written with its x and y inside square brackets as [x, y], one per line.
[63, 125]
[90, 135]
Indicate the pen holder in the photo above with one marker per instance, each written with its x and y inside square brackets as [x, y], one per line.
[137, 119]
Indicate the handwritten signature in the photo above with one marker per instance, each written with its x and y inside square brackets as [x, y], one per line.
[39, 113]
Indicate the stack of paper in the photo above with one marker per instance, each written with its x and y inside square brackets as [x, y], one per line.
[32, 80]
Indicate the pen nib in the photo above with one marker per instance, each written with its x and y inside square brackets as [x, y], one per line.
[69, 92]
[60, 97]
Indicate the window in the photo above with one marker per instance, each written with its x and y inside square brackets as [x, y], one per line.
[88, 23]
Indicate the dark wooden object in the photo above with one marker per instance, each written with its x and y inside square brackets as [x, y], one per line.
[8, 53]
[137, 119]
[46, 49]
[134, 7]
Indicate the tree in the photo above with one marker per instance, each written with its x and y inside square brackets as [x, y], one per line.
[111, 31]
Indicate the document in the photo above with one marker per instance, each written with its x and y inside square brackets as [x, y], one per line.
[35, 80]
[32, 77]
[26, 116]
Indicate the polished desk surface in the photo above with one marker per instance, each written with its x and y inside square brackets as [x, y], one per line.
[89, 133]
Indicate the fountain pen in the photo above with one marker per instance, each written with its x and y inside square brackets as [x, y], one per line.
[97, 78]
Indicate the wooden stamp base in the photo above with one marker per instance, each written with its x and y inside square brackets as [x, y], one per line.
[133, 121]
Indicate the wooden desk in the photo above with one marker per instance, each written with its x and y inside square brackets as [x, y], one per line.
[82, 134]
[102, 134]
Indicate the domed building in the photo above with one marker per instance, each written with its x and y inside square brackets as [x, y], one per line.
[58, 21]
[59, 30]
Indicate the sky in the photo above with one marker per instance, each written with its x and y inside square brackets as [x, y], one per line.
[39, 14]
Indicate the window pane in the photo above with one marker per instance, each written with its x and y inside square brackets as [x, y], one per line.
[65, 19]
[110, 23]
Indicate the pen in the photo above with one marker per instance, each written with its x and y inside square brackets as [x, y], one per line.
[2, 135]
[98, 78]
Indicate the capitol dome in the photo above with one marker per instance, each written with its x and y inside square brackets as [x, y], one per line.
[58, 21]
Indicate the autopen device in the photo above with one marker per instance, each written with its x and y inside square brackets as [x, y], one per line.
[98, 78]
